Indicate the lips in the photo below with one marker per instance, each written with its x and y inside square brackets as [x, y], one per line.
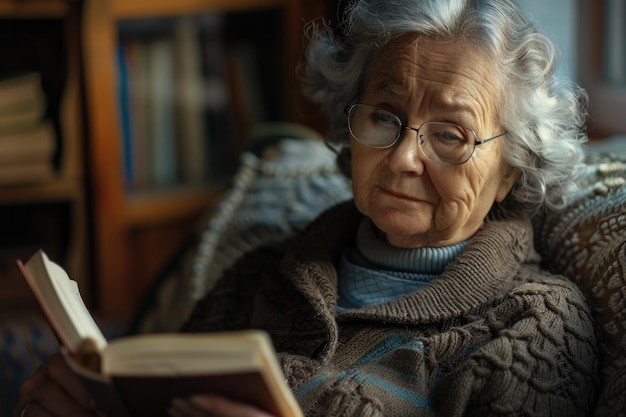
[400, 195]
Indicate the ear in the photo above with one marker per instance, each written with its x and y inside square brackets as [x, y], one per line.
[506, 183]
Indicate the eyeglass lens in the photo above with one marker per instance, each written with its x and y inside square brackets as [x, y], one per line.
[378, 128]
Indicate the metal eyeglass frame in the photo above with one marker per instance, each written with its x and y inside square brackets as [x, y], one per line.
[403, 126]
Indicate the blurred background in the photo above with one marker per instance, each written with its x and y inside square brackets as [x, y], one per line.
[592, 38]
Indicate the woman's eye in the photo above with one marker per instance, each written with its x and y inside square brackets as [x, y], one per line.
[384, 118]
[451, 136]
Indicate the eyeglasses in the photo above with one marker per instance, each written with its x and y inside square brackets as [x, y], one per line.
[441, 142]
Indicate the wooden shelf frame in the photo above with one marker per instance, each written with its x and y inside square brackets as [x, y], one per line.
[34, 8]
[124, 9]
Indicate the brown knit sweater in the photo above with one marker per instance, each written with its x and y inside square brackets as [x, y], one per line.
[493, 335]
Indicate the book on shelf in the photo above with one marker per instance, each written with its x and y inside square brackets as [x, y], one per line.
[161, 110]
[125, 103]
[140, 375]
[31, 144]
[28, 141]
[22, 115]
[134, 73]
[19, 90]
[189, 102]
[26, 173]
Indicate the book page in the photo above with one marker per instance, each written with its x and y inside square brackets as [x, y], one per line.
[60, 299]
[71, 299]
[170, 354]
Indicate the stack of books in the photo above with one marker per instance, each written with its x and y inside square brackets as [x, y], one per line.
[27, 138]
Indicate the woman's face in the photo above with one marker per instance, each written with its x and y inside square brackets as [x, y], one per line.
[414, 201]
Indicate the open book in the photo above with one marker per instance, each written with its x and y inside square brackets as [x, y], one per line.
[140, 375]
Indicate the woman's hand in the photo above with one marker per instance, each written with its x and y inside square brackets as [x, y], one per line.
[54, 390]
[214, 406]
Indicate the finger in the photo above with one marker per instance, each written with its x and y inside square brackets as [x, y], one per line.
[44, 390]
[30, 389]
[58, 403]
[60, 373]
[50, 399]
[33, 409]
[224, 407]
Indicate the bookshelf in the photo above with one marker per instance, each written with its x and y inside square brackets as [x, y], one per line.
[42, 37]
[137, 229]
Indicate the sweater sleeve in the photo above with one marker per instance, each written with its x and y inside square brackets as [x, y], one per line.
[542, 359]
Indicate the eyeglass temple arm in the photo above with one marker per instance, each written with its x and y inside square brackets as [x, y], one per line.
[480, 142]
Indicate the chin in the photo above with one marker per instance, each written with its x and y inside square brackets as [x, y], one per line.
[394, 223]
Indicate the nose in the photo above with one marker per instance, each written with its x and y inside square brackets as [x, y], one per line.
[406, 156]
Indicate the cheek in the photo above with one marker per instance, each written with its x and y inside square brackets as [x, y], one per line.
[366, 164]
[461, 192]
[361, 180]
[478, 189]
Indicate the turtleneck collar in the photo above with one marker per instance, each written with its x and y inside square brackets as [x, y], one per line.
[476, 276]
[380, 254]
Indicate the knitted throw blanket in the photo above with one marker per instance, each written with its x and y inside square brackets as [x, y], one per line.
[587, 243]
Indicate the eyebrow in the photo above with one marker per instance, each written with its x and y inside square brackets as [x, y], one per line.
[388, 85]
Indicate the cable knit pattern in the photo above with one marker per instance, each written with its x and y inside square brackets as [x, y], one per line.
[493, 335]
[587, 243]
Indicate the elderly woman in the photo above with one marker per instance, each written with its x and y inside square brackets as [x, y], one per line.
[423, 295]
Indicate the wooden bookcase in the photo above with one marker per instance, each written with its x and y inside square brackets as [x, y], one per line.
[136, 232]
[42, 36]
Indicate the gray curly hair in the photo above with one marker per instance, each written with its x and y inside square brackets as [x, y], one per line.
[544, 116]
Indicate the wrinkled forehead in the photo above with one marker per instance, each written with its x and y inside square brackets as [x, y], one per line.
[412, 56]
[458, 72]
